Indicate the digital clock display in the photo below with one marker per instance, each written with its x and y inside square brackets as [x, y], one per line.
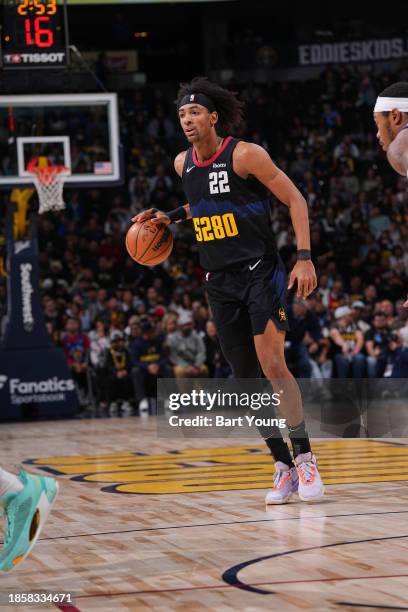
[33, 34]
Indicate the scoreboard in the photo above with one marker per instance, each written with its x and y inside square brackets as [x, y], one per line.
[33, 34]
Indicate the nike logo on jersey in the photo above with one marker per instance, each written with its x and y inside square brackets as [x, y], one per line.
[190, 168]
[255, 264]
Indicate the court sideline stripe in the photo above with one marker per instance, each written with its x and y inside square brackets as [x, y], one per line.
[209, 587]
[226, 523]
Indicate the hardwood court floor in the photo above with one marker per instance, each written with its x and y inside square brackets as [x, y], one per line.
[148, 523]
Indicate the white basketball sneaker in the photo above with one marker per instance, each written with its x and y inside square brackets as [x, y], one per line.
[285, 482]
[311, 487]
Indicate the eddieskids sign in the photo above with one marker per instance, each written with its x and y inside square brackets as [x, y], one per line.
[360, 51]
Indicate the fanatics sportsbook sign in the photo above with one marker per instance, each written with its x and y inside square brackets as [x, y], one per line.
[352, 51]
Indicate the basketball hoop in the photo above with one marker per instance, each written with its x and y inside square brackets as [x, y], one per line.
[49, 182]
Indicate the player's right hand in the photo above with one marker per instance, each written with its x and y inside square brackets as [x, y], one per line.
[145, 215]
[161, 217]
[153, 215]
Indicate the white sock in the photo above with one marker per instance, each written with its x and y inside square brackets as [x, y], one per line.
[9, 483]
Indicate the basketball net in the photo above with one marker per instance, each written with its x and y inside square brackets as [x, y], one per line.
[49, 182]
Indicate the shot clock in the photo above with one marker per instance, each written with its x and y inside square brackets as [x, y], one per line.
[34, 34]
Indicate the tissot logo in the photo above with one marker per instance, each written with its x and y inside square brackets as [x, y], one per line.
[219, 165]
[34, 58]
[3, 380]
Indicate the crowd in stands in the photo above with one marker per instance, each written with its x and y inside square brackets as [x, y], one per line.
[130, 324]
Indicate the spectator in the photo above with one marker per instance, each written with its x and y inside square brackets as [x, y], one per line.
[399, 260]
[376, 344]
[117, 368]
[395, 365]
[370, 295]
[378, 222]
[387, 308]
[301, 321]
[160, 126]
[169, 323]
[331, 117]
[149, 362]
[132, 329]
[403, 330]
[187, 350]
[161, 179]
[99, 343]
[349, 342]
[357, 309]
[400, 357]
[51, 313]
[75, 345]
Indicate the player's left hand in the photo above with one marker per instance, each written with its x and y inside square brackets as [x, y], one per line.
[305, 274]
[406, 304]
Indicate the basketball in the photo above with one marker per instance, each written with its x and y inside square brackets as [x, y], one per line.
[149, 244]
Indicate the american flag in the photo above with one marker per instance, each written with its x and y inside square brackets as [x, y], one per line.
[103, 167]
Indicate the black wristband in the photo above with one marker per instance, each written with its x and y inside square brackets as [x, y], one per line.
[178, 214]
[304, 255]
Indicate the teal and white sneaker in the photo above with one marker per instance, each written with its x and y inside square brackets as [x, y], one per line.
[25, 513]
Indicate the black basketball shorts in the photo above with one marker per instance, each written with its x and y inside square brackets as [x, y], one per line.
[245, 297]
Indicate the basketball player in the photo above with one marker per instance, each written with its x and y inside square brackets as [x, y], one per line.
[391, 118]
[228, 183]
[26, 500]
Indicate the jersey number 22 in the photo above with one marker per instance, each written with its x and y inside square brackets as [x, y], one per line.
[219, 182]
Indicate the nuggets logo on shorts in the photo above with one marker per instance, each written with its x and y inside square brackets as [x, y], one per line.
[282, 314]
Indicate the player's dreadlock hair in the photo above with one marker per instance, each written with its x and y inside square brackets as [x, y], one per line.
[396, 90]
[227, 105]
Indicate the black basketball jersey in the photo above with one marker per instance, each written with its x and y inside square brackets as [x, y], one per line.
[231, 215]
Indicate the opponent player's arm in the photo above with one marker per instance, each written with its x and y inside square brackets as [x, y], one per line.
[397, 153]
[252, 160]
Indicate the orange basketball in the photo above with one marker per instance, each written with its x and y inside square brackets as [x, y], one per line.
[149, 244]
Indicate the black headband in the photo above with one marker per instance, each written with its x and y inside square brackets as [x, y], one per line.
[198, 98]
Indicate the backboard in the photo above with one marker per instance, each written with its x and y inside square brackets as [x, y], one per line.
[79, 131]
